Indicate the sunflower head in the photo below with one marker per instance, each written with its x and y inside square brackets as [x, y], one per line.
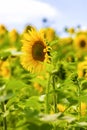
[3, 30]
[4, 69]
[61, 107]
[34, 51]
[83, 108]
[13, 35]
[82, 69]
[49, 33]
[71, 30]
[80, 42]
[27, 28]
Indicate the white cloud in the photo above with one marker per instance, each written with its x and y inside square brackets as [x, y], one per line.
[24, 11]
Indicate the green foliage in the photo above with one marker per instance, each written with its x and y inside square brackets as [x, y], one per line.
[51, 100]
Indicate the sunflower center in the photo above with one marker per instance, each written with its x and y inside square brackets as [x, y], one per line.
[82, 43]
[37, 51]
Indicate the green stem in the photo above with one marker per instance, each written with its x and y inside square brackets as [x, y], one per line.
[79, 103]
[4, 118]
[47, 95]
[54, 95]
[79, 113]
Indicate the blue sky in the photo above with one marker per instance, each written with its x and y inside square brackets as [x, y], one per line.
[59, 13]
[73, 12]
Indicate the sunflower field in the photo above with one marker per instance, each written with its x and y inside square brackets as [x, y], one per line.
[43, 79]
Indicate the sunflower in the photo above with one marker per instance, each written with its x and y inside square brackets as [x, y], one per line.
[83, 108]
[38, 87]
[34, 51]
[80, 42]
[27, 28]
[4, 69]
[71, 30]
[61, 107]
[65, 41]
[13, 35]
[82, 69]
[49, 33]
[3, 30]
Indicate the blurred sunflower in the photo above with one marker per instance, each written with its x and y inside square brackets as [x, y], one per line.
[13, 35]
[61, 107]
[38, 87]
[27, 28]
[80, 42]
[3, 29]
[83, 108]
[35, 51]
[71, 30]
[5, 69]
[82, 69]
[3, 32]
[65, 41]
[79, 32]
[49, 33]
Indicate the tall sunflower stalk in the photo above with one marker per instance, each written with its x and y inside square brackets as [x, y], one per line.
[35, 53]
[54, 95]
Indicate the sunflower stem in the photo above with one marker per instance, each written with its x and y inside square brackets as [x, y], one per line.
[4, 118]
[47, 95]
[79, 103]
[54, 95]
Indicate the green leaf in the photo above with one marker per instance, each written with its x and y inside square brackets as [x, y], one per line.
[4, 55]
[83, 98]
[6, 97]
[69, 119]
[84, 85]
[15, 84]
[33, 102]
[82, 124]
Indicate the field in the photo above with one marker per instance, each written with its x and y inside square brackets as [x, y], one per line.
[43, 79]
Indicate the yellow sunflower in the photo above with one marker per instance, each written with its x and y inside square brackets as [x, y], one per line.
[4, 69]
[61, 107]
[34, 51]
[27, 28]
[13, 35]
[71, 30]
[82, 69]
[83, 108]
[3, 30]
[80, 42]
[65, 41]
[38, 87]
[49, 33]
